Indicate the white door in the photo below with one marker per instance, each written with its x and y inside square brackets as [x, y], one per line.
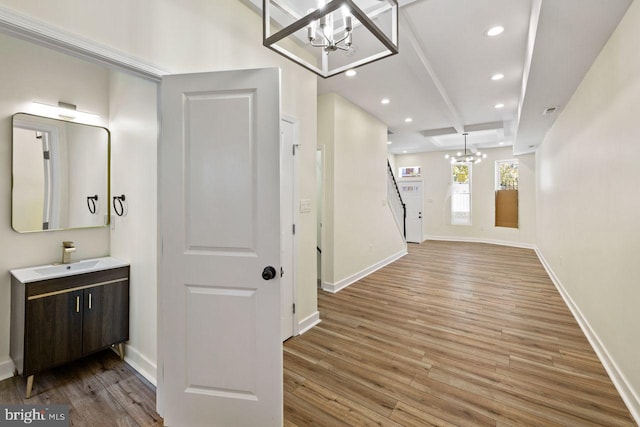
[220, 352]
[411, 192]
[287, 221]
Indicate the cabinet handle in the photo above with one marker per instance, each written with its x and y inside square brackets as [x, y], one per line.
[78, 304]
[89, 301]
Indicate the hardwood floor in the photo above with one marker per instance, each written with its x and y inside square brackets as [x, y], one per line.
[453, 334]
[100, 390]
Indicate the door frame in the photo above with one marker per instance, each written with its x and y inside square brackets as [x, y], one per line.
[295, 214]
[320, 149]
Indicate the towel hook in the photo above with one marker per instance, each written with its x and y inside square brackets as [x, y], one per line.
[91, 203]
[119, 200]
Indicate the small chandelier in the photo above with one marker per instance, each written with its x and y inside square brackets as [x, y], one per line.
[467, 156]
[329, 37]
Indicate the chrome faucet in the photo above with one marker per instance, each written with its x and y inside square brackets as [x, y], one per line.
[67, 249]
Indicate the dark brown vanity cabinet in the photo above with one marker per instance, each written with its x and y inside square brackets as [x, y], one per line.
[59, 320]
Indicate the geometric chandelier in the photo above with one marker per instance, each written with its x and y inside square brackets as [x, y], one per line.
[329, 37]
[466, 156]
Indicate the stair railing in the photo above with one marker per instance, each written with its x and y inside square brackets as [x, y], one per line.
[395, 199]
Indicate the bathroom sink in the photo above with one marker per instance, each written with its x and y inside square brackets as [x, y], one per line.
[66, 268]
[43, 272]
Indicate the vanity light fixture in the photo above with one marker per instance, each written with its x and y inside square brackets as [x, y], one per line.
[333, 36]
[65, 111]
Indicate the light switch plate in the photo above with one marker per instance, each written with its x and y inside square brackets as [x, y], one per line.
[305, 205]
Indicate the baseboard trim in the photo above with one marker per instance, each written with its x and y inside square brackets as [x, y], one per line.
[481, 240]
[628, 394]
[142, 364]
[308, 322]
[341, 284]
[6, 369]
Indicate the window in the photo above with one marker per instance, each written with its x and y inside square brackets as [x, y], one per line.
[461, 194]
[507, 175]
[507, 193]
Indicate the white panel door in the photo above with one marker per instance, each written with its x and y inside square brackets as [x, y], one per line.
[219, 343]
[412, 197]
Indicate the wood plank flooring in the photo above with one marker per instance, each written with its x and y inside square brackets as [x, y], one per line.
[100, 390]
[453, 334]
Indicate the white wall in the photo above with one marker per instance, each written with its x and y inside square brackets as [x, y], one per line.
[588, 205]
[198, 36]
[134, 133]
[22, 80]
[360, 232]
[436, 176]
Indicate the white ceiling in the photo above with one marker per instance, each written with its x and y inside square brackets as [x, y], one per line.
[442, 76]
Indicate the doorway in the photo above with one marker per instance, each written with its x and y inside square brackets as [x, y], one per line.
[412, 196]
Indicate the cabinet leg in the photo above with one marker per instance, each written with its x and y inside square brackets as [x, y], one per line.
[121, 350]
[29, 386]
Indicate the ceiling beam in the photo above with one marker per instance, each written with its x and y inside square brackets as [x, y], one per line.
[484, 126]
[534, 20]
[408, 31]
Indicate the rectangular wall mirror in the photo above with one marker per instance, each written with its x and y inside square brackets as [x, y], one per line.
[60, 174]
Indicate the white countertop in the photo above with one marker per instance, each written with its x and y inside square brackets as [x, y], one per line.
[51, 271]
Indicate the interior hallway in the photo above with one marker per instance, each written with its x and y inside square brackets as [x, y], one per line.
[461, 334]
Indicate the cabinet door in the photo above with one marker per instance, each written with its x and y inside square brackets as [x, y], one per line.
[53, 331]
[106, 316]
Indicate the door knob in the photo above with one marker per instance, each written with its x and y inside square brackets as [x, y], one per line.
[268, 273]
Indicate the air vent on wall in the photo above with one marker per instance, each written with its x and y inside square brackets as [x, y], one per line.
[549, 110]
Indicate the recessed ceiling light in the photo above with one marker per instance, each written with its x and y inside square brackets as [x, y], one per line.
[494, 31]
[499, 105]
[404, 152]
[408, 120]
[351, 73]
[389, 142]
[501, 143]
[497, 77]
[384, 101]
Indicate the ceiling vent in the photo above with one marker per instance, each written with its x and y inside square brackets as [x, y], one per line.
[549, 111]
